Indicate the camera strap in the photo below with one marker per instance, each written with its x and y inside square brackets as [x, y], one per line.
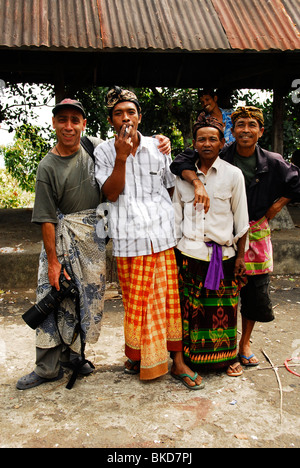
[78, 364]
[88, 146]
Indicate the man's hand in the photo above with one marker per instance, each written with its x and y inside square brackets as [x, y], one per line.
[164, 144]
[54, 271]
[115, 183]
[123, 143]
[276, 207]
[239, 267]
[201, 195]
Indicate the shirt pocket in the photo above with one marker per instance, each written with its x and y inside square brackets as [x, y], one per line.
[152, 182]
[221, 202]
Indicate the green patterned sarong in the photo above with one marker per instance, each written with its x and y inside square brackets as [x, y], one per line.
[209, 317]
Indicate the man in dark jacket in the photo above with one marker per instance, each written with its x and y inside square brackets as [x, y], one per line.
[271, 183]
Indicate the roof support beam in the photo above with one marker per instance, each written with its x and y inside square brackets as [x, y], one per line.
[278, 117]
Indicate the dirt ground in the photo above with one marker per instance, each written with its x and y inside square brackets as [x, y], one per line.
[110, 409]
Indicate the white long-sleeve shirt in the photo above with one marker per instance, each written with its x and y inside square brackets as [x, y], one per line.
[225, 222]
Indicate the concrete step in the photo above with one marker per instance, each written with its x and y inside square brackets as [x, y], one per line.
[20, 245]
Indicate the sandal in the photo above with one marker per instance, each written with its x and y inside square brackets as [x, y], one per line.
[235, 370]
[247, 358]
[181, 378]
[132, 367]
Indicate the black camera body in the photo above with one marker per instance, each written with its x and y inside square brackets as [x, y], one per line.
[50, 303]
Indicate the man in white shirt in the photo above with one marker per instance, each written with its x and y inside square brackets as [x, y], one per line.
[212, 245]
[135, 178]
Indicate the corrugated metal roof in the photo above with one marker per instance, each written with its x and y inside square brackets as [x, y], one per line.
[293, 10]
[50, 23]
[160, 25]
[258, 25]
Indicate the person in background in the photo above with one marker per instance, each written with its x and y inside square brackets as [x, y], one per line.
[209, 103]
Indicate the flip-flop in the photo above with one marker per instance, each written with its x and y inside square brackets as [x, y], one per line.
[233, 371]
[181, 378]
[249, 364]
[134, 367]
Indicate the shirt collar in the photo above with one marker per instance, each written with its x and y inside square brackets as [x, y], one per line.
[143, 141]
[214, 166]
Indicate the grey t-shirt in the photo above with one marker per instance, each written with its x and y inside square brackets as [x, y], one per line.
[65, 183]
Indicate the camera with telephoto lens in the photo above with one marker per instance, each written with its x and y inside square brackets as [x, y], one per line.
[50, 303]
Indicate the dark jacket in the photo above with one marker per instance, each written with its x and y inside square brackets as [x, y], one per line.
[274, 177]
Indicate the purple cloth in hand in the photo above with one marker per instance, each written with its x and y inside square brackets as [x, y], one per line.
[215, 269]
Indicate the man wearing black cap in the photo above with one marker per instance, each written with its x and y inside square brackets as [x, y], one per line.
[67, 196]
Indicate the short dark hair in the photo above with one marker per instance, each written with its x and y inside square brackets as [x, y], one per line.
[208, 91]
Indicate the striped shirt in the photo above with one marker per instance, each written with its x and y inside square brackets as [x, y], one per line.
[141, 221]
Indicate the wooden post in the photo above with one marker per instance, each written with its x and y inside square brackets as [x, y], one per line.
[278, 116]
[283, 220]
[59, 86]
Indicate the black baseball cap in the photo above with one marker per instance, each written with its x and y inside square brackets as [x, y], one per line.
[69, 103]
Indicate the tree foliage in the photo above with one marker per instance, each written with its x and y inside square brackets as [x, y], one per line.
[167, 111]
[11, 195]
[22, 103]
[23, 156]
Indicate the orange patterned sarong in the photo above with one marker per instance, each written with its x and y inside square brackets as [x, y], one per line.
[152, 322]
